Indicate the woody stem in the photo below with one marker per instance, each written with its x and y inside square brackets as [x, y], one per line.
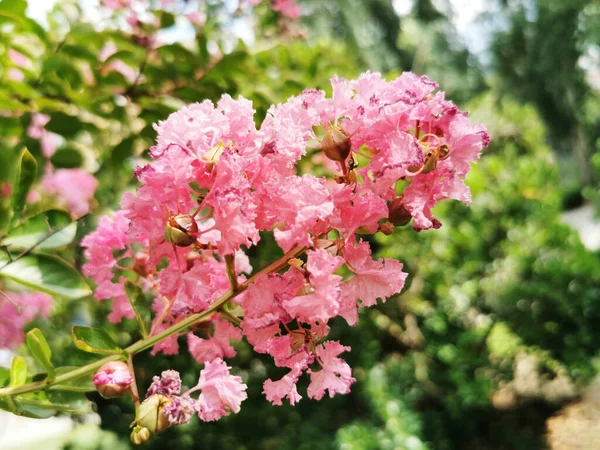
[152, 340]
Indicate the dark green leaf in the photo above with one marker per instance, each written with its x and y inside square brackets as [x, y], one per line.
[94, 340]
[39, 348]
[45, 273]
[66, 158]
[35, 232]
[63, 124]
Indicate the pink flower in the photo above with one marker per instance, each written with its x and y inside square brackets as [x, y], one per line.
[428, 189]
[276, 391]
[179, 410]
[357, 207]
[17, 310]
[335, 376]
[217, 345]
[323, 300]
[116, 4]
[372, 279]
[73, 188]
[197, 18]
[296, 206]
[222, 392]
[288, 8]
[169, 383]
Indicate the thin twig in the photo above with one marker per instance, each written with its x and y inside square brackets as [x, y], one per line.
[40, 242]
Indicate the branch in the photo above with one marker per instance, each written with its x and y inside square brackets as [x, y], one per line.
[38, 243]
[150, 341]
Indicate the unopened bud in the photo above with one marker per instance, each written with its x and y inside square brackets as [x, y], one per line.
[181, 230]
[150, 413]
[398, 214]
[113, 379]
[139, 435]
[387, 228]
[336, 144]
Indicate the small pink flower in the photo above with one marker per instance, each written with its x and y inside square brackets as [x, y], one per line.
[169, 383]
[17, 310]
[217, 345]
[74, 189]
[372, 279]
[335, 376]
[288, 8]
[222, 392]
[322, 302]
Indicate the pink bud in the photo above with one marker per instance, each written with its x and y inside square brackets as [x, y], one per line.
[113, 379]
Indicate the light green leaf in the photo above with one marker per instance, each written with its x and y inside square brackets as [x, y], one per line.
[94, 340]
[39, 348]
[18, 372]
[27, 171]
[80, 384]
[45, 273]
[33, 232]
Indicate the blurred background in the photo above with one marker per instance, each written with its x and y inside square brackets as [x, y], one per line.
[494, 342]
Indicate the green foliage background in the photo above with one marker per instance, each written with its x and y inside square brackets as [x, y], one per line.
[503, 284]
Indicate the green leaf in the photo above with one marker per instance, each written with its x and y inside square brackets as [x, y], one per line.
[45, 273]
[39, 348]
[18, 372]
[43, 405]
[4, 376]
[82, 383]
[94, 340]
[138, 302]
[166, 19]
[27, 170]
[33, 232]
[66, 158]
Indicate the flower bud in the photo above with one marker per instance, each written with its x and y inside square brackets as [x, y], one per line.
[113, 379]
[336, 144]
[398, 214]
[150, 413]
[181, 230]
[387, 228]
[139, 435]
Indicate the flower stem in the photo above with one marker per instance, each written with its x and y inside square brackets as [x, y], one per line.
[152, 340]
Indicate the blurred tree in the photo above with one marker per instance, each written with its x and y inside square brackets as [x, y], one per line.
[539, 59]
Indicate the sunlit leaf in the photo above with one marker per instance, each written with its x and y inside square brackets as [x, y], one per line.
[39, 348]
[45, 273]
[36, 232]
[18, 371]
[94, 340]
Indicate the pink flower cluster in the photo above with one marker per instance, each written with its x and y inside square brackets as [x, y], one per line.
[59, 182]
[17, 310]
[393, 150]
[221, 393]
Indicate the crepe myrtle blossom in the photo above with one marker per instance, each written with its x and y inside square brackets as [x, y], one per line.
[217, 183]
[165, 405]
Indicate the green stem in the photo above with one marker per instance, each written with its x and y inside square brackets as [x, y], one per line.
[150, 341]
